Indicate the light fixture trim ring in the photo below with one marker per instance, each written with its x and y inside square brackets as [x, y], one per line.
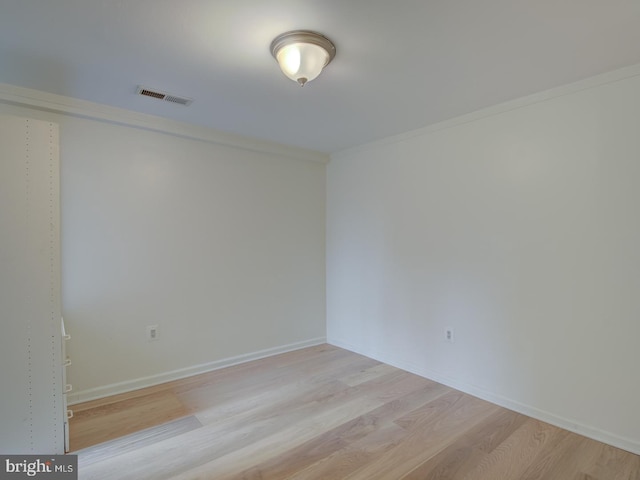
[303, 36]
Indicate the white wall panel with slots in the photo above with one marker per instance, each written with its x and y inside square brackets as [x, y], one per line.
[32, 406]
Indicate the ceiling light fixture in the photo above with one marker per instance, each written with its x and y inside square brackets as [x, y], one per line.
[302, 54]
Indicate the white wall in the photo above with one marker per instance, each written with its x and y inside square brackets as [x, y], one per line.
[520, 229]
[221, 247]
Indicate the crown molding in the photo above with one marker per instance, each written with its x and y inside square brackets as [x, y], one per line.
[556, 92]
[49, 102]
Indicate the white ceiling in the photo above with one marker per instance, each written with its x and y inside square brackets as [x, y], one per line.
[400, 64]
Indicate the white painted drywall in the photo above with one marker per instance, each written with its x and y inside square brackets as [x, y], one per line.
[221, 247]
[521, 231]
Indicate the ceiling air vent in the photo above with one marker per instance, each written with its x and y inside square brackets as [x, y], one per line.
[167, 97]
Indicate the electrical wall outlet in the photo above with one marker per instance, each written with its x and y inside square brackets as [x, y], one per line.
[448, 335]
[152, 333]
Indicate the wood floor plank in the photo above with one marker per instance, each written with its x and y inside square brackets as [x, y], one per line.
[512, 457]
[324, 445]
[248, 372]
[354, 456]
[226, 385]
[137, 440]
[110, 421]
[452, 414]
[367, 374]
[559, 457]
[326, 413]
[282, 394]
[613, 463]
[361, 452]
[320, 446]
[230, 465]
[459, 458]
[226, 439]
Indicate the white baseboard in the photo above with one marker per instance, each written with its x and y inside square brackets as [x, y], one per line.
[135, 384]
[628, 444]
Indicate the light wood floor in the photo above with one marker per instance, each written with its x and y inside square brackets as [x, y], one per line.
[325, 413]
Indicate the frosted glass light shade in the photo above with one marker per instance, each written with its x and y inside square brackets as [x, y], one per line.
[302, 54]
[300, 61]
